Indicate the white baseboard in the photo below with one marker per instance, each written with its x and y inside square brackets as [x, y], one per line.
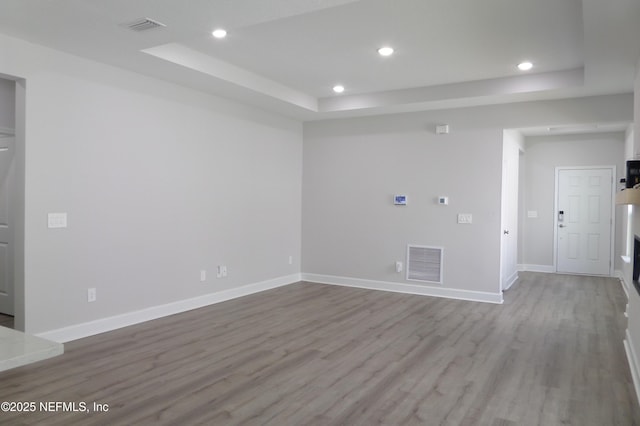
[102, 325]
[626, 311]
[634, 366]
[623, 283]
[506, 285]
[550, 269]
[450, 293]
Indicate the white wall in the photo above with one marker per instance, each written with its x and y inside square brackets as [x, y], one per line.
[158, 181]
[633, 308]
[352, 168]
[625, 244]
[522, 205]
[543, 155]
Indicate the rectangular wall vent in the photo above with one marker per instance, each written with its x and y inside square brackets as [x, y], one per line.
[144, 24]
[424, 263]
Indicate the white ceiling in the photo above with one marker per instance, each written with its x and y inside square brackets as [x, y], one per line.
[286, 55]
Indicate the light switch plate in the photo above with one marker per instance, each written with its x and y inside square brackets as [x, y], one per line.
[442, 129]
[465, 218]
[57, 220]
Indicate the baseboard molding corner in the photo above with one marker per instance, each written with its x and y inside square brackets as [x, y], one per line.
[634, 366]
[506, 285]
[78, 331]
[448, 293]
[549, 269]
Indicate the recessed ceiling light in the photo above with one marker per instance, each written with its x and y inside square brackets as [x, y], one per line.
[338, 88]
[219, 33]
[525, 66]
[385, 51]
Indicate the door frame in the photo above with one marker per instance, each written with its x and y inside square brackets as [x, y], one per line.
[19, 217]
[612, 226]
[511, 140]
[6, 132]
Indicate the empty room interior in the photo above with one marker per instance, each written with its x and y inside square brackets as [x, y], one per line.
[338, 212]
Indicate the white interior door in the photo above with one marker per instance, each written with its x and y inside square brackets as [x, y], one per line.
[509, 244]
[584, 221]
[7, 145]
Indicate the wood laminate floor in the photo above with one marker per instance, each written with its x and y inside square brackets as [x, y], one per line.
[311, 354]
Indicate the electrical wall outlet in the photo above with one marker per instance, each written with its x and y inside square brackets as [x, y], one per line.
[398, 266]
[91, 295]
[290, 260]
[203, 275]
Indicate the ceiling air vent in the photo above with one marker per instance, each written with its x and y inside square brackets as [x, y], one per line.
[424, 264]
[143, 24]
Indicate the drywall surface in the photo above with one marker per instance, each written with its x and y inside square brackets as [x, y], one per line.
[543, 155]
[633, 308]
[353, 168]
[159, 183]
[7, 103]
[512, 146]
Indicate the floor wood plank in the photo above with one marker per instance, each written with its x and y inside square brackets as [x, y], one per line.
[311, 354]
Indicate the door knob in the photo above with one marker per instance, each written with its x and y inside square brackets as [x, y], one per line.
[561, 226]
[505, 232]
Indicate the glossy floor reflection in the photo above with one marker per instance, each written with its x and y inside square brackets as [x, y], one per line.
[17, 348]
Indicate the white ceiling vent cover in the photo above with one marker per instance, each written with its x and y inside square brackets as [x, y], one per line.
[424, 264]
[143, 24]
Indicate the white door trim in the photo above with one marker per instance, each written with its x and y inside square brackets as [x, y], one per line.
[613, 211]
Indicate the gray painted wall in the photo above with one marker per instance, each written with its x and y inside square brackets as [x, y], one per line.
[7, 103]
[542, 155]
[522, 210]
[512, 147]
[353, 167]
[633, 309]
[158, 181]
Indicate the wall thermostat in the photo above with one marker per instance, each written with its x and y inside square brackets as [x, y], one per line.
[400, 200]
[443, 200]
